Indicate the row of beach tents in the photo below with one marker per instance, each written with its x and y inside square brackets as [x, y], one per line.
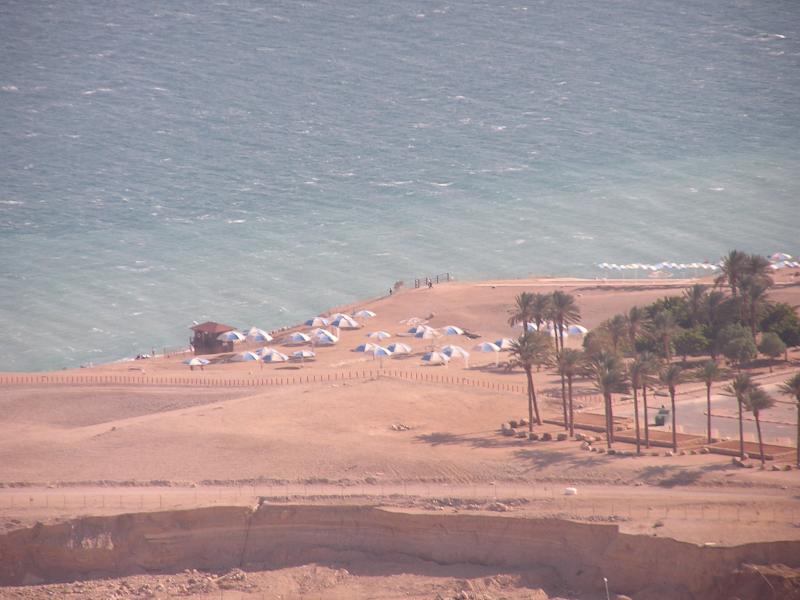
[319, 336]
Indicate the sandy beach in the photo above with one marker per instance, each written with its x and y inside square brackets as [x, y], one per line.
[346, 429]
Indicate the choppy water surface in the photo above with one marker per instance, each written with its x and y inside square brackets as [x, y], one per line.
[256, 162]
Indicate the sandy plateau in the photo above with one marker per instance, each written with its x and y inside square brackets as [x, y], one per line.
[394, 481]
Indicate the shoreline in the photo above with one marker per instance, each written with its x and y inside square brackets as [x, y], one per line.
[579, 284]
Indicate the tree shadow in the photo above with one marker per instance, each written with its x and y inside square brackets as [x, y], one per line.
[539, 459]
[475, 440]
[670, 476]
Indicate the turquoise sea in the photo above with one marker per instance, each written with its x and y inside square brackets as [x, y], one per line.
[257, 162]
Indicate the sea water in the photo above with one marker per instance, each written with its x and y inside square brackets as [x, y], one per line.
[257, 162]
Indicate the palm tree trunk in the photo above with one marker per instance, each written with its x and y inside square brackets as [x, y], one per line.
[535, 404]
[797, 442]
[708, 409]
[607, 401]
[674, 430]
[564, 401]
[571, 413]
[741, 431]
[636, 417]
[530, 398]
[646, 422]
[611, 418]
[760, 443]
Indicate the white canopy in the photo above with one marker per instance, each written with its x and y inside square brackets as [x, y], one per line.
[231, 336]
[435, 358]
[258, 335]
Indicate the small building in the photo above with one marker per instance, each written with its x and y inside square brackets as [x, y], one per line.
[205, 338]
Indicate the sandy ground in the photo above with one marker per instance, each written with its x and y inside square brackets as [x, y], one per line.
[99, 449]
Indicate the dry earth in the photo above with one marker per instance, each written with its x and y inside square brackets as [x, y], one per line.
[72, 450]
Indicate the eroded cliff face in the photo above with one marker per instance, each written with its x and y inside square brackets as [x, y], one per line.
[278, 536]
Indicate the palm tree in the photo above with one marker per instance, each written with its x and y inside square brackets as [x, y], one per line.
[540, 309]
[635, 372]
[755, 401]
[569, 364]
[662, 328]
[532, 348]
[617, 328]
[636, 320]
[695, 298]
[754, 299]
[522, 311]
[791, 387]
[734, 266]
[565, 311]
[671, 376]
[649, 366]
[709, 373]
[610, 377]
[739, 388]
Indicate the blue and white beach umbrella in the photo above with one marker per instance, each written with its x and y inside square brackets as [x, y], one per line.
[196, 362]
[503, 343]
[231, 336]
[366, 347]
[323, 337]
[275, 356]
[456, 352]
[379, 335]
[318, 322]
[364, 314]
[345, 322]
[303, 355]
[258, 335]
[489, 347]
[298, 337]
[245, 357]
[452, 330]
[435, 358]
[398, 348]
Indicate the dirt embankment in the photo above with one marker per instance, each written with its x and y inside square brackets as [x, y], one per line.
[578, 555]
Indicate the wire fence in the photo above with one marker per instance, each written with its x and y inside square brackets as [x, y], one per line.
[202, 380]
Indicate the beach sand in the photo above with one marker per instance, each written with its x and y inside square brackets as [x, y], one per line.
[381, 437]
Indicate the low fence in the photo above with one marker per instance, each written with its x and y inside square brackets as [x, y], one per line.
[439, 278]
[419, 376]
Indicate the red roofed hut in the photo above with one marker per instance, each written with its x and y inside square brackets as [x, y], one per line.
[205, 338]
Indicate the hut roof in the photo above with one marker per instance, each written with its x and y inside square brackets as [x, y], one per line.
[212, 328]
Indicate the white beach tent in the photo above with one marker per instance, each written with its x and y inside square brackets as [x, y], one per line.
[435, 358]
[196, 362]
[317, 322]
[456, 352]
[398, 348]
[366, 347]
[364, 314]
[380, 353]
[255, 334]
[298, 337]
[489, 347]
[323, 337]
[303, 355]
[504, 343]
[345, 322]
[427, 333]
[452, 330]
[577, 330]
[231, 336]
[379, 335]
[275, 356]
